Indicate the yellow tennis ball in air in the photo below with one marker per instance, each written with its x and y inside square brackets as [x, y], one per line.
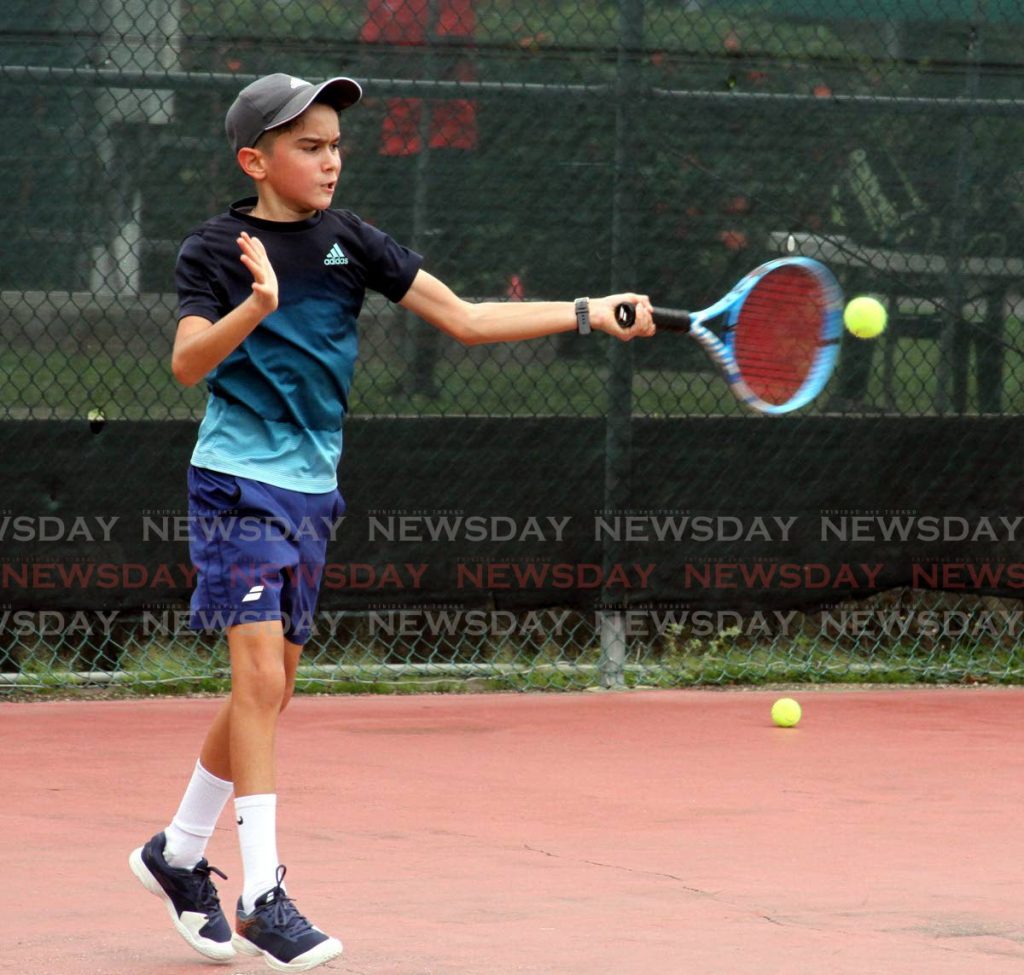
[865, 317]
[785, 712]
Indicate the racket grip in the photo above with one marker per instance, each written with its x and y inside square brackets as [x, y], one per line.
[625, 314]
[670, 319]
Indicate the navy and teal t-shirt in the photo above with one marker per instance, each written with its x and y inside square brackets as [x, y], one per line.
[276, 403]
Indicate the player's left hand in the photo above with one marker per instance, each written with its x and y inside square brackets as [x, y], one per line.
[264, 280]
[602, 316]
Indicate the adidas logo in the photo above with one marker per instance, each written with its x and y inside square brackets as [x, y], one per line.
[335, 256]
[253, 594]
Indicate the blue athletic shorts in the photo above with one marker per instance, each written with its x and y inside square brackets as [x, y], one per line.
[258, 550]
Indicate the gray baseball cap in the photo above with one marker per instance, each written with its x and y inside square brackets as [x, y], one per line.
[278, 98]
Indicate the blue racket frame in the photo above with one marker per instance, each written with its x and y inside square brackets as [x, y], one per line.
[721, 349]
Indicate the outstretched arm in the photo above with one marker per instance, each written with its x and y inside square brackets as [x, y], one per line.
[475, 323]
[200, 344]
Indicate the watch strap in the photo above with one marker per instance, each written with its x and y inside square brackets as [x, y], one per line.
[583, 316]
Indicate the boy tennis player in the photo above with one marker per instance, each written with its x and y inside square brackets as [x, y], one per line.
[269, 293]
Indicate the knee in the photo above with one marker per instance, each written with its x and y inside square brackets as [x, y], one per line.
[261, 688]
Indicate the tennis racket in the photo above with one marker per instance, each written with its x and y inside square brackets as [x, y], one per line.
[780, 333]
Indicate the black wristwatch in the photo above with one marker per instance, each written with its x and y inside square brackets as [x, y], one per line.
[583, 316]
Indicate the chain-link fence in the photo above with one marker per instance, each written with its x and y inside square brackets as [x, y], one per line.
[531, 151]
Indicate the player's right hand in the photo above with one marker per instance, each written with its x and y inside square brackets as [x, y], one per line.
[264, 280]
[604, 319]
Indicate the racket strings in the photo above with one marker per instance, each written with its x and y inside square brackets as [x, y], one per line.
[778, 333]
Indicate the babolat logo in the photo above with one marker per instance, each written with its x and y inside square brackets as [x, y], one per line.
[335, 256]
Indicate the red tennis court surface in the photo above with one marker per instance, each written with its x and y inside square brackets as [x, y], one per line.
[643, 832]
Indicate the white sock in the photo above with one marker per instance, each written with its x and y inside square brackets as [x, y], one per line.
[196, 818]
[256, 817]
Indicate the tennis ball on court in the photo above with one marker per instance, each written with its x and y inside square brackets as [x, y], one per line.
[785, 712]
[865, 317]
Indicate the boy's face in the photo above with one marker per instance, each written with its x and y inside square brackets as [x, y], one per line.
[300, 167]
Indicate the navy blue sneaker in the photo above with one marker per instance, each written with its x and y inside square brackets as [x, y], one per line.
[275, 929]
[190, 897]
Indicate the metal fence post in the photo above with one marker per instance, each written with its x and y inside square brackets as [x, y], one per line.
[618, 429]
[951, 397]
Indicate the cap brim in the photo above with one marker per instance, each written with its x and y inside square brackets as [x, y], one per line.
[339, 93]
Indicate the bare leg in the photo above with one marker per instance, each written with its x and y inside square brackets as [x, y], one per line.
[216, 753]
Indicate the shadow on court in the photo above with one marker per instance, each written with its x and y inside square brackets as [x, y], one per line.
[653, 832]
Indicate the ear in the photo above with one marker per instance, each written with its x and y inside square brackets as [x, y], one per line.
[253, 163]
